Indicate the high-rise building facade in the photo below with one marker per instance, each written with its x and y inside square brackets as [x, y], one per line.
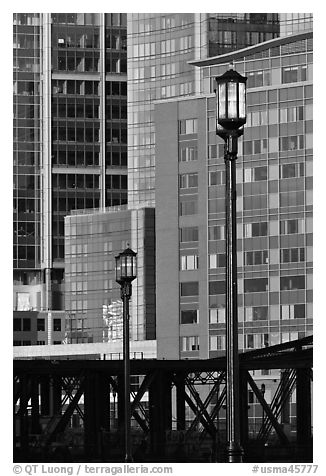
[295, 23]
[93, 302]
[274, 206]
[159, 49]
[70, 138]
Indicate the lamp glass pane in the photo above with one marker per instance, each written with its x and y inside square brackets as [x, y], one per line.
[118, 268]
[221, 101]
[242, 100]
[232, 101]
[129, 270]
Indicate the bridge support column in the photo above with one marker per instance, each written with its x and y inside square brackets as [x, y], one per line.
[35, 428]
[243, 409]
[93, 415]
[180, 401]
[303, 390]
[45, 395]
[160, 412]
[55, 395]
[23, 421]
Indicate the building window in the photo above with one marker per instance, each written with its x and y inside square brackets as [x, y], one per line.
[257, 79]
[291, 114]
[26, 324]
[256, 341]
[189, 289]
[188, 207]
[216, 287]
[216, 232]
[189, 316]
[291, 143]
[40, 342]
[249, 341]
[189, 343]
[189, 233]
[216, 260]
[256, 313]
[293, 74]
[293, 311]
[185, 42]
[216, 342]
[255, 174]
[292, 255]
[292, 283]
[292, 170]
[188, 262]
[256, 118]
[188, 180]
[256, 285]
[57, 325]
[289, 227]
[256, 257]
[255, 229]
[216, 177]
[217, 315]
[23, 302]
[188, 153]
[258, 146]
[17, 324]
[41, 324]
[188, 126]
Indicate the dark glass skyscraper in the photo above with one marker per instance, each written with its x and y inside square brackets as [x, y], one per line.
[70, 138]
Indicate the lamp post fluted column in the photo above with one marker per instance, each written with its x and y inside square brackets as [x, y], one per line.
[234, 450]
[125, 296]
[231, 116]
[125, 269]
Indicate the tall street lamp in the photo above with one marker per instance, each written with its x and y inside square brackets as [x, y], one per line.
[231, 116]
[126, 272]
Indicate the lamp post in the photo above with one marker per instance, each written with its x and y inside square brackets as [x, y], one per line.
[126, 270]
[231, 116]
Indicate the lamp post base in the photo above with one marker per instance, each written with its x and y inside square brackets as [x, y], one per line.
[234, 452]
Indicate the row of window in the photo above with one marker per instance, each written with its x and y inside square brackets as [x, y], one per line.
[68, 156]
[259, 146]
[64, 107]
[86, 134]
[251, 285]
[251, 258]
[82, 88]
[251, 230]
[247, 341]
[17, 343]
[24, 324]
[66, 181]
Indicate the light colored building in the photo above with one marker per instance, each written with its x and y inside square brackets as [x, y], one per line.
[274, 206]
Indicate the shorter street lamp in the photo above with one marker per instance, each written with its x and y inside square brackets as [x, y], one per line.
[125, 273]
[231, 116]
